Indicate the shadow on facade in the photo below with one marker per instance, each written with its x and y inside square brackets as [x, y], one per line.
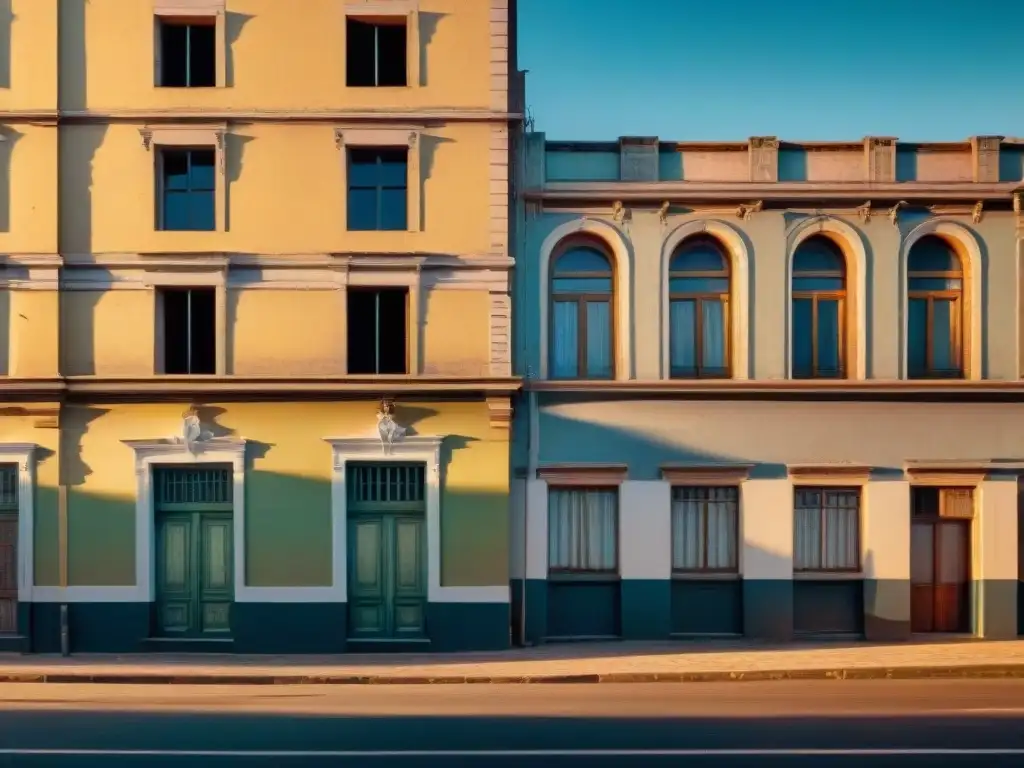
[73, 62]
[234, 22]
[8, 138]
[7, 19]
[235, 150]
[428, 152]
[428, 28]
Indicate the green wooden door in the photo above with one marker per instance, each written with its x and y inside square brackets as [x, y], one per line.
[387, 576]
[194, 586]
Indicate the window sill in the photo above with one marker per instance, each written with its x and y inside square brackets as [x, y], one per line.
[706, 576]
[828, 576]
[598, 578]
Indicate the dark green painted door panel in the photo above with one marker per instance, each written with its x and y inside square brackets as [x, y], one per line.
[387, 576]
[194, 574]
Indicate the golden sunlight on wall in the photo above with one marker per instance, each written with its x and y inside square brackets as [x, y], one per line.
[285, 187]
[108, 333]
[35, 333]
[28, 54]
[454, 57]
[454, 344]
[28, 190]
[276, 330]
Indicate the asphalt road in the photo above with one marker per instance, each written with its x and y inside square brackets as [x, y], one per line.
[865, 723]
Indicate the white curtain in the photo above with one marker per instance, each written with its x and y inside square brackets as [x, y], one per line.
[682, 336]
[599, 339]
[704, 529]
[582, 529]
[825, 530]
[713, 316]
[565, 340]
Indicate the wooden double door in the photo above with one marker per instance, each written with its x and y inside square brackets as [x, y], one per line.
[194, 574]
[387, 576]
[940, 576]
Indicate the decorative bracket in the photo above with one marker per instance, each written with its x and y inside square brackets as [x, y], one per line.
[746, 210]
[864, 211]
[977, 211]
[339, 138]
[388, 429]
[894, 212]
[500, 412]
[147, 138]
[619, 212]
[663, 212]
[219, 135]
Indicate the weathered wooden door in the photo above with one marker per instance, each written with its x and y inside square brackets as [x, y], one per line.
[194, 551]
[8, 550]
[387, 557]
[194, 574]
[939, 576]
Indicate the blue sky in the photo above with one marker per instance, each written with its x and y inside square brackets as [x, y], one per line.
[922, 70]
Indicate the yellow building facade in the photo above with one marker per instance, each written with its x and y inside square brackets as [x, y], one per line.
[255, 335]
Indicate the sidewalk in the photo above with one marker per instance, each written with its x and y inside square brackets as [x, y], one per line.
[577, 663]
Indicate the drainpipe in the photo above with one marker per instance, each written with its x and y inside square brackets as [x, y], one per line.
[532, 430]
[62, 538]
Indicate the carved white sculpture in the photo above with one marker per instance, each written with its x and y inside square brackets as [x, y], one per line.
[192, 431]
[387, 427]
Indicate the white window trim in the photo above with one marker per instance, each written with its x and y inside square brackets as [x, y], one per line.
[208, 137]
[23, 454]
[192, 8]
[414, 448]
[410, 9]
[198, 277]
[412, 281]
[385, 137]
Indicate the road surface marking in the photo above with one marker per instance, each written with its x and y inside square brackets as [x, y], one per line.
[521, 753]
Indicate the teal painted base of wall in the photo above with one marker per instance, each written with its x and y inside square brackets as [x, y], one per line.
[646, 609]
[828, 607]
[256, 628]
[702, 607]
[998, 607]
[583, 609]
[768, 609]
[886, 610]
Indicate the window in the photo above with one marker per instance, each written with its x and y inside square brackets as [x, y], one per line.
[583, 530]
[581, 315]
[935, 283]
[378, 331]
[188, 53]
[827, 529]
[376, 52]
[699, 311]
[819, 310]
[190, 330]
[378, 189]
[188, 190]
[705, 529]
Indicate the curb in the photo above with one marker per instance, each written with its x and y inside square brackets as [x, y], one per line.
[973, 671]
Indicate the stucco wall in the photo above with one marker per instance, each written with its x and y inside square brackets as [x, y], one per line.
[28, 54]
[288, 488]
[766, 239]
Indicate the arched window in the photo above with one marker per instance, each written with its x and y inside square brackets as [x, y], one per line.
[935, 308]
[818, 320]
[699, 310]
[582, 321]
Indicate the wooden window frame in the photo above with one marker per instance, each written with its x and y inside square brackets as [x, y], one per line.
[197, 12]
[390, 12]
[581, 300]
[403, 137]
[857, 568]
[957, 316]
[735, 569]
[182, 137]
[699, 298]
[815, 296]
[592, 483]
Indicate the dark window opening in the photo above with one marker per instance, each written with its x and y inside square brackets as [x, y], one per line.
[188, 187]
[378, 189]
[375, 53]
[188, 53]
[377, 331]
[189, 316]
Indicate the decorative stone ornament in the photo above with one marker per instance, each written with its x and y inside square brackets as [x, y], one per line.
[387, 427]
[192, 431]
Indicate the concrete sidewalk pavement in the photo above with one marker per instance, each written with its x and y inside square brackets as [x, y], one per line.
[563, 663]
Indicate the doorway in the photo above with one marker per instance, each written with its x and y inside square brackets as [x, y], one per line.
[940, 559]
[9, 549]
[194, 552]
[387, 557]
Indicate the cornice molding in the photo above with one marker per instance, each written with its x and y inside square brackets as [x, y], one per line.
[155, 116]
[322, 260]
[656, 193]
[589, 475]
[707, 473]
